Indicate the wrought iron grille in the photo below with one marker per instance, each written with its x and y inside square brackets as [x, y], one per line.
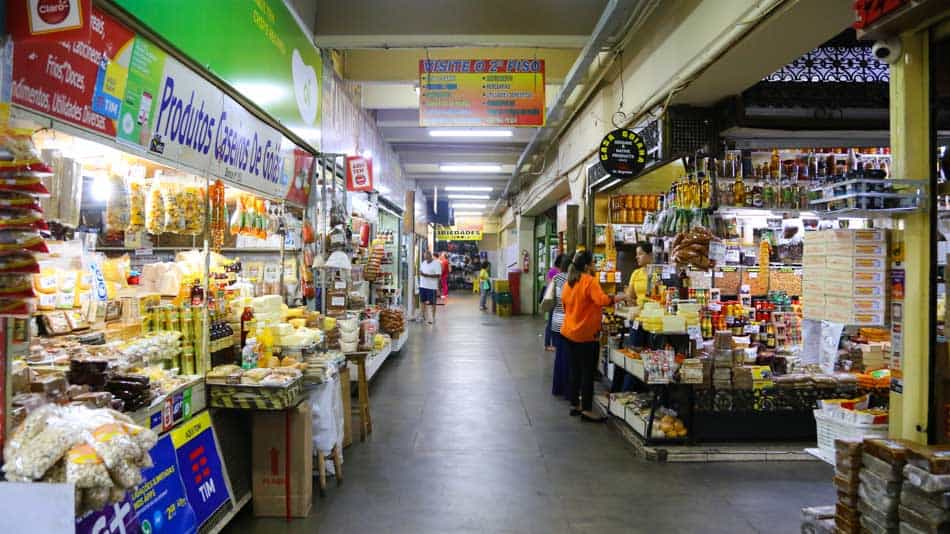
[845, 64]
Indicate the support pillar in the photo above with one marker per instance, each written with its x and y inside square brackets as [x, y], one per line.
[910, 155]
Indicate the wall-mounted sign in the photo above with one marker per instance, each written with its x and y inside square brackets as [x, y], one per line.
[623, 153]
[359, 173]
[62, 19]
[256, 46]
[481, 92]
[59, 78]
[455, 233]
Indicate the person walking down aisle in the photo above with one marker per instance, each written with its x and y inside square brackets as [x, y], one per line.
[552, 272]
[583, 300]
[429, 274]
[562, 364]
[446, 269]
[484, 285]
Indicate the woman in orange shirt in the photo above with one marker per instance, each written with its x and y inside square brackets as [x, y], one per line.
[583, 302]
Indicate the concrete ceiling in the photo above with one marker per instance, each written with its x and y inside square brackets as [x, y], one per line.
[380, 43]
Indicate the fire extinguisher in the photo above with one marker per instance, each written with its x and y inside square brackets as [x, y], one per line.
[525, 261]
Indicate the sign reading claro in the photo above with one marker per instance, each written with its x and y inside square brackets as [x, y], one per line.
[623, 153]
[53, 11]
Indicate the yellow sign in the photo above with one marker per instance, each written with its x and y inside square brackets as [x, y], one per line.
[191, 429]
[454, 233]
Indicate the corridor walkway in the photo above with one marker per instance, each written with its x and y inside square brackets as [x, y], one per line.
[467, 438]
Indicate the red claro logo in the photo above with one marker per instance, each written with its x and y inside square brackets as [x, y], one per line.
[53, 11]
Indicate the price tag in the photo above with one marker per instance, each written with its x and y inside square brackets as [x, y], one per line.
[751, 329]
[618, 277]
[668, 271]
[636, 324]
[339, 284]
[714, 306]
[753, 274]
[719, 274]
[143, 252]
[695, 333]
[717, 251]
[338, 301]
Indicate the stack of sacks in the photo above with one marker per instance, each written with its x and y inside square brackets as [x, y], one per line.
[847, 480]
[925, 495]
[818, 520]
[880, 489]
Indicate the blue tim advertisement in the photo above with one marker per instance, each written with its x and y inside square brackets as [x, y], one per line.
[202, 471]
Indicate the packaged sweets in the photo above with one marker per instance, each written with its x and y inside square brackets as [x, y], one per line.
[155, 210]
[20, 201]
[136, 206]
[118, 205]
[16, 286]
[19, 263]
[925, 481]
[18, 155]
[21, 219]
[174, 209]
[17, 241]
[194, 204]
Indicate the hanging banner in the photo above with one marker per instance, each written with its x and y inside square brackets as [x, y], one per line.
[455, 233]
[59, 19]
[481, 92]
[300, 169]
[60, 78]
[256, 46]
[359, 173]
[202, 469]
[623, 153]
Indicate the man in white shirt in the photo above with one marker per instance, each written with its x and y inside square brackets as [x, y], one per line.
[430, 272]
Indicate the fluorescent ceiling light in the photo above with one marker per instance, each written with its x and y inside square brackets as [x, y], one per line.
[470, 197]
[467, 188]
[471, 133]
[468, 214]
[464, 205]
[470, 167]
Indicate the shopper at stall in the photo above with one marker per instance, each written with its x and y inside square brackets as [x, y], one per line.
[637, 288]
[552, 272]
[446, 269]
[484, 285]
[562, 365]
[430, 271]
[583, 303]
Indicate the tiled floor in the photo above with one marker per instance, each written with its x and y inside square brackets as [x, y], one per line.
[467, 438]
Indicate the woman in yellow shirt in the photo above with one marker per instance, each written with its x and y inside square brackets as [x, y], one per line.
[637, 288]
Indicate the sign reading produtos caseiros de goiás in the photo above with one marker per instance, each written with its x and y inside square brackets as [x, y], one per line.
[481, 92]
[171, 111]
[255, 46]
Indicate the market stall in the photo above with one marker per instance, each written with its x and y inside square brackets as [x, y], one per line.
[768, 291]
[153, 287]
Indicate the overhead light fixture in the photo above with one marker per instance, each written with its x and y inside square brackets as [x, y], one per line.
[464, 205]
[470, 167]
[467, 188]
[468, 214]
[470, 197]
[471, 133]
[261, 93]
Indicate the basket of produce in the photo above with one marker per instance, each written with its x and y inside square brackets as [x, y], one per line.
[278, 388]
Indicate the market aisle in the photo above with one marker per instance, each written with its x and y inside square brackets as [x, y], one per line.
[467, 438]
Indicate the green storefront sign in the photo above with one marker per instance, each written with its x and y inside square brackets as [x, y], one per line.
[256, 46]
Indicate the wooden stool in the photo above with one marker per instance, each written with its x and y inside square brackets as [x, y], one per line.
[322, 468]
[362, 388]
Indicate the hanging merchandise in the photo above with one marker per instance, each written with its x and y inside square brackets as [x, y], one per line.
[219, 215]
[21, 174]
[118, 208]
[375, 261]
[174, 209]
[192, 199]
[136, 206]
[307, 233]
[155, 209]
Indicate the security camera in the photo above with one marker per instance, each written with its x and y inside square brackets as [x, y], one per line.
[888, 50]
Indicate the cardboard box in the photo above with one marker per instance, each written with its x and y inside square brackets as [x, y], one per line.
[869, 277]
[856, 263]
[812, 261]
[813, 286]
[850, 236]
[269, 466]
[841, 288]
[814, 248]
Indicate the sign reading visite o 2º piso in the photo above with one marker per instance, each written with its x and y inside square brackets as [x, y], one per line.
[171, 111]
[256, 46]
[623, 153]
[481, 92]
